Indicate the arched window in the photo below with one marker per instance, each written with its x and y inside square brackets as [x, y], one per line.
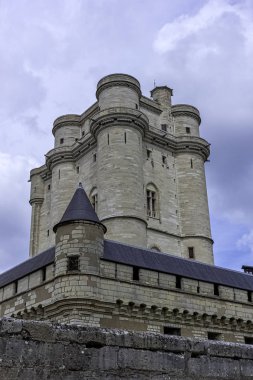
[152, 201]
[94, 198]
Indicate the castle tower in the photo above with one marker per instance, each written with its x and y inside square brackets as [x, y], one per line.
[191, 155]
[119, 128]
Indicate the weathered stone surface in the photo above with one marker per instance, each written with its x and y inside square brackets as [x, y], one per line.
[40, 350]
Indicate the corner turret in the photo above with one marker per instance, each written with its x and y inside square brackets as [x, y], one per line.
[79, 237]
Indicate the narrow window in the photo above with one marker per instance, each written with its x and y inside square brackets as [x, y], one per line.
[188, 130]
[47, 232]
[178, 282]
[171, 331]
[248, 340]
[94, 201]
[136, 106]
[48, 187]
[59, 174]
[108, 139]
[213, 335]
[149, 152]
[164, 158]
[76, 139]
[125, 137]
[44, 273]
[136, 274]
[82, 133]
[249, 296]
[61, 141]
[94, 157]
[164, 127]
[216, 291]
[15, 287]
[73, 263]
[151, 204]
[198, 289]
[191, 163]
[191, 252]
[77, 169]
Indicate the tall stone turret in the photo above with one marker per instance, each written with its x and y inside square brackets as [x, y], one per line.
[192, 152]
[119, 128]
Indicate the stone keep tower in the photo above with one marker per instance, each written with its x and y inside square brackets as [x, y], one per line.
[141, 161]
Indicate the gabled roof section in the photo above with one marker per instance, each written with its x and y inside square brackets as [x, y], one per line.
[79, 209]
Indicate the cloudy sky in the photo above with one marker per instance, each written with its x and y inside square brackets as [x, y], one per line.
[54, 52]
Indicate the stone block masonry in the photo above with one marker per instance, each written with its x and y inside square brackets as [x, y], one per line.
[39, 350]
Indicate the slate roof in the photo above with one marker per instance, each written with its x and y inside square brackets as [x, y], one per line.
[29, 266]
[143, 258]
[79, 208]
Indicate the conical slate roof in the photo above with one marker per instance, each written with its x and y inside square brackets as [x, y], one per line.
[79, 209]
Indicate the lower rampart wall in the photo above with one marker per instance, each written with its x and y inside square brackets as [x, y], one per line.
[39, 350]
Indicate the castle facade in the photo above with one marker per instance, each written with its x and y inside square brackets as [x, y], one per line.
[120, 231]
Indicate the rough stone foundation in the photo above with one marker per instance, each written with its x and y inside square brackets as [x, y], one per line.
[38, 350]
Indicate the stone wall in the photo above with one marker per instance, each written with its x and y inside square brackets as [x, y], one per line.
[38, 350]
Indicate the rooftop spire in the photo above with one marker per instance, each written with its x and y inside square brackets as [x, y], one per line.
[79, 209]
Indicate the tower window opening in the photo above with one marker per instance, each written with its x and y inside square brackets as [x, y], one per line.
[82, 133]
[94, 157]
[151, 204]
[15, 287]
[108, 139]
[76, 139]
[191, 163]
[164, 159]
[164, 127]
[61, 140]
[136, 106]
[73, 263]
[249, 296]
[48, 187]
[136, 273]
[188, 130]
[94, 201]
[178, 282]
[248, 340]
[171, 331]
[213, 335]
[77, 169]
[47, 232]
[216, 291]
[191, 253]
[125, 137]
[149, 154]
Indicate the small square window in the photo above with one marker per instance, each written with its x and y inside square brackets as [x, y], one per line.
[61, 141]
[82, 133]
[77, 169]
[164, 127]
[188, 130]
[149, 153]
[73, 263]
[248, 340]
[213, 335]
[94, 157]
[164, 159]
[172, 331]
[48, 187]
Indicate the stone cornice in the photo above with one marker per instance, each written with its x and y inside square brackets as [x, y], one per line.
[119, 116]
[185, 110]
[65, 120]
